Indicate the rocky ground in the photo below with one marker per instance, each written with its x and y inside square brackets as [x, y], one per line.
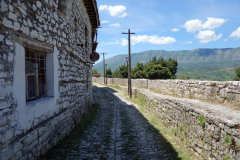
[118, 131]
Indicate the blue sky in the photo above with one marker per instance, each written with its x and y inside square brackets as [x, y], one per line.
[167, 25]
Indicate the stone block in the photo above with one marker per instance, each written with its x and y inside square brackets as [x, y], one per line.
[16, 26]
[25, 30]
[12, 16]
[23, 6]
[8, 135]
[34, 34]
[6, 155]
[237, 141]
[9, 42]
[4, 6]
[39, 4]
[10, 8]
[7, 23]
[22, 10]
[18, 155]
[2, 120]
[30, 138]
[17, 147]
[34, 7]
[1, 37]
[4, 105]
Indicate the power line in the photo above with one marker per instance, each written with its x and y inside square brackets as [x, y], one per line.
[139, 17]
[128, 13]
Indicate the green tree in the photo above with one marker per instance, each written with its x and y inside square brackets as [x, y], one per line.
[109, 73]
[159, 72]
[121, 72]
[172, 66]
[138, 71]
[95, 73]
[237, 77]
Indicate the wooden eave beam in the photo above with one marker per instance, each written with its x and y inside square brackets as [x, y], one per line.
[92, 12]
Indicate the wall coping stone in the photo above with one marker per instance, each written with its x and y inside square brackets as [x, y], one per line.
[218, 112]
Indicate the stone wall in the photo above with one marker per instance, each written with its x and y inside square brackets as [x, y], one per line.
[212, 131]
[222, 92]
[29, 129]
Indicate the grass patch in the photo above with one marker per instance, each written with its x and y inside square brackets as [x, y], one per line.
[112, 86]
[115, 87]
[64, 146]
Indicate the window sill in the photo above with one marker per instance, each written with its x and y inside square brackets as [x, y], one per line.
[38, 100]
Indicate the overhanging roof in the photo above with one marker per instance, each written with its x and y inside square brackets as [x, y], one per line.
[92, 10]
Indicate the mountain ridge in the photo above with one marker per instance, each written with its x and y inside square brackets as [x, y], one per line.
[217, 57]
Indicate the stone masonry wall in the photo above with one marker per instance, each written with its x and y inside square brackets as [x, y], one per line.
[212, 135]
[28, 130]
[222, 92]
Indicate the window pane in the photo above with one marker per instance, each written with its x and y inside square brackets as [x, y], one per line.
[31, 85]
[41, 83]
[27, 54]
[35, 66]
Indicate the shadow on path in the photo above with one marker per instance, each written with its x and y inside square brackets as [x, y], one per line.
[117, 131]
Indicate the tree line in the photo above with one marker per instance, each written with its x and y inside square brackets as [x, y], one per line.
[153, 69]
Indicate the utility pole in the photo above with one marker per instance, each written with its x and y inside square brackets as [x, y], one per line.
[127, 69]
[106, 73]
[129, 63]
[104, 66]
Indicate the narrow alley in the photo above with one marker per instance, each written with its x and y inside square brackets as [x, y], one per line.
[118, 131]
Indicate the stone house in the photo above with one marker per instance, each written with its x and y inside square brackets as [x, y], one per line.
[45, 72]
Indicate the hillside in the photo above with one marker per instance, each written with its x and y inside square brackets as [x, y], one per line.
[208, 64]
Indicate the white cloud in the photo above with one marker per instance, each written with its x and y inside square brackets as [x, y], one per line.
[225, 40]
[210, 24]
[235, 33]
[188, 42]
[207, 36]
[104, 22]
[115, 25]
[102, 8]
[124, 42]
[115, 11]
[144, 38]
[175, 29]
[152, 39]
[193, 25]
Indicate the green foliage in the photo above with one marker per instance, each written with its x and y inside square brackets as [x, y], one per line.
[228, 139]
[201, 120]
[153, 69]
[95, 73]
[122, 72]
[138, 71]
[184, 77]
[109, 73]
[160, 68]
[237, 77]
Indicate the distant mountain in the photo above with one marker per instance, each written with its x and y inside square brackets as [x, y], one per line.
[218, 58]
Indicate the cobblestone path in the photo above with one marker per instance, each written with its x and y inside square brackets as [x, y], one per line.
[119, 131]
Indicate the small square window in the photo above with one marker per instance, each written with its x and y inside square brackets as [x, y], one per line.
[35, 69]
